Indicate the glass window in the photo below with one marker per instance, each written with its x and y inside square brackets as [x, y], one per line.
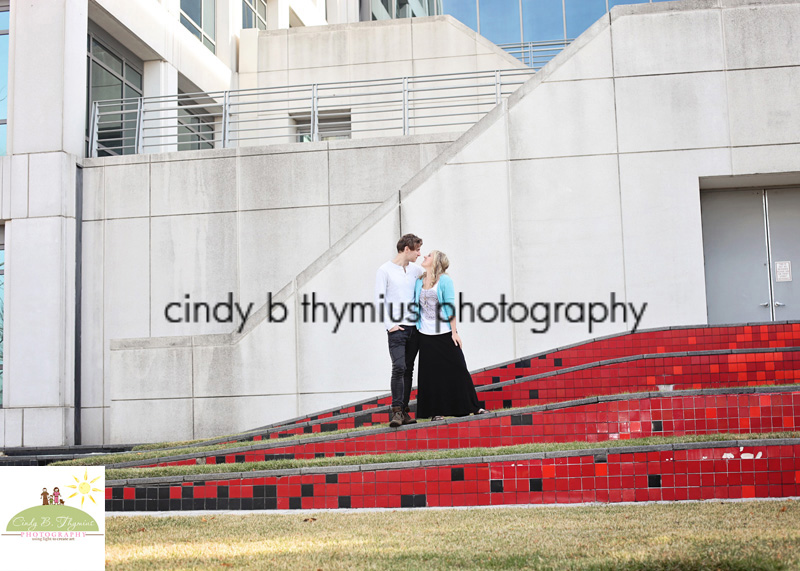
[194, 132]
[542, 20]
[612, 3]
[199, 17]
[499, 21]
[110, 76]
[465, 11]
[581, 14]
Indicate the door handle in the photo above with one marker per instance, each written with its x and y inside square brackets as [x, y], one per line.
[779, 304]
[765, 304]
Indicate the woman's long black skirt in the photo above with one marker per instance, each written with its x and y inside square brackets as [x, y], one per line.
[444, 385]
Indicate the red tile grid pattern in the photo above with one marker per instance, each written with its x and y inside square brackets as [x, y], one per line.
[624, 345]
[757, 471]
[615, 420]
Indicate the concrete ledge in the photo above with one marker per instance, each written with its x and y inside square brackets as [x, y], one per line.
[439, 462]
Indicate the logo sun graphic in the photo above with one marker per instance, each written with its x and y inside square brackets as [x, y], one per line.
[84, 488]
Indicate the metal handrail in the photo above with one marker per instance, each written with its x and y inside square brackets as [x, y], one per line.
[387, 106]
[535, 54]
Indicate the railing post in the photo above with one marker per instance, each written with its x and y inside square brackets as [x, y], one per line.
[140, 126]
[93, 130]
[405, 106]
[314, 114]
[226, 119]
[497, 87]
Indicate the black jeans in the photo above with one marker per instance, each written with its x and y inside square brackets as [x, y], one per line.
[403, 348]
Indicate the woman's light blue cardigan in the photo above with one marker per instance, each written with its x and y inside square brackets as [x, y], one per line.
[447, 300]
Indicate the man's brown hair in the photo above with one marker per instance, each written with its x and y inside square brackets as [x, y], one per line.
[409, 240]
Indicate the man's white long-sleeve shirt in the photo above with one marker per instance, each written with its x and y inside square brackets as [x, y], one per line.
[394, 291]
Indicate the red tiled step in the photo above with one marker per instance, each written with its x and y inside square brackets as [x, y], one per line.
[671, 340]
[724, 470]
[636, 417]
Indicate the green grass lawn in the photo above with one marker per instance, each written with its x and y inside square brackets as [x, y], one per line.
[126, 473]
[713, 535]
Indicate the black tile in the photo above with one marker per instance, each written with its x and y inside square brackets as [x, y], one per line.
[496, 486]
[658, 426]
[198, 504]
[163, 504]
[654, 481]
[175, 505]
[116, 493]
[344, 501]
[523, 364]
[222, 491]
[128, 505]
[271, 491]
[362, 419]
[557, 362]
[518, 376]
[420, 501]
[234, 503]
[109, 505]
[338, 454]
[141, 493]
[535, 484]
[259, 503]
[407, 501]
[543, 356]
[319, 455]
[284, 435]
[308, 429]
[223, 503]
[152, 493]
[187, 492]
[187, 504]
[271, 503]
[307, 490]
[521, 420]
[331, 478]
[295, 503]
[219, 459]
[533, 394]
[359, 407]
[495, 380]
[239, 458]
[259, 491]
[152, 505]
[329, 427]
[211, 503]
[247, 503]
[507, 404]
[140, 505]
[457, 474]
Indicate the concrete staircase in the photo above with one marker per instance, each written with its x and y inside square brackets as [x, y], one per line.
[576, 424]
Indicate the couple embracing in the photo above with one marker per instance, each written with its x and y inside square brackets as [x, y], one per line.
[419, 317]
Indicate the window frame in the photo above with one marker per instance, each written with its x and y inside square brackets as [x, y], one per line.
[204, 35]
[129, 61]
[250, 6]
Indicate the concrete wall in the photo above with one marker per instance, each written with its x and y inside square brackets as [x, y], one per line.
[586, 182]
[158, 227]
[361, 52]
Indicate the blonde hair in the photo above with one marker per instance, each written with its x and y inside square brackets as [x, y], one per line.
[440, 265]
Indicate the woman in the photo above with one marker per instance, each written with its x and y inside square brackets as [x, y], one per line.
[444, 385]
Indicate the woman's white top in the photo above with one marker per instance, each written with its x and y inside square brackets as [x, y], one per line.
[428, 306]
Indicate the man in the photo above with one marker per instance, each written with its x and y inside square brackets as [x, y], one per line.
[394, 294]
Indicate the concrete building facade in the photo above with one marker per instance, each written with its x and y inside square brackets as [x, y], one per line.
[603, 175]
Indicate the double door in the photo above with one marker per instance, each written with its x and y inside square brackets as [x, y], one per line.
[751, 243]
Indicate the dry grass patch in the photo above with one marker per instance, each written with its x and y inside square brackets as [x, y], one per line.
[727, 536]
